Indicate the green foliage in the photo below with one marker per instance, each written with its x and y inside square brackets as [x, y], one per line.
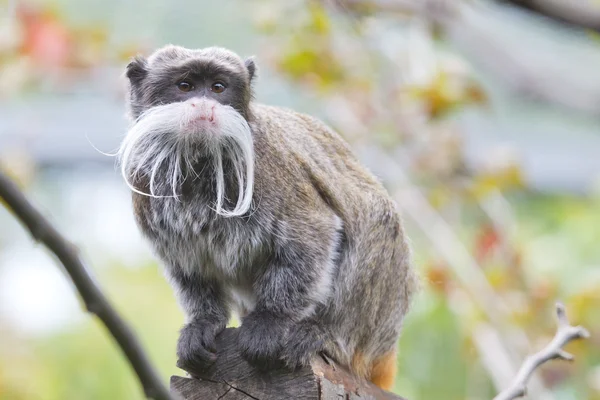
[309, 56]
[432, 347]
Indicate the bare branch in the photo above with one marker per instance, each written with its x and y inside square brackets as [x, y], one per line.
[574, 13]
[94, 299]
[553, 350]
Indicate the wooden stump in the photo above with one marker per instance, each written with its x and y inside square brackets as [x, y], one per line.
[232, 378]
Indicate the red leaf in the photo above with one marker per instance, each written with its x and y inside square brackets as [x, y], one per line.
[45, 39]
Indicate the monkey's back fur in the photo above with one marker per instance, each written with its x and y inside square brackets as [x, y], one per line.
[318, 214]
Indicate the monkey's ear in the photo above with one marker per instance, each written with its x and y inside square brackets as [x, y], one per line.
[137, 70]
[251, 67]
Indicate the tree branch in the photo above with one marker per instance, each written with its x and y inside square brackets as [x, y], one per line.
[94, 299]
[553, 350]
[231, 377]
[572, 13]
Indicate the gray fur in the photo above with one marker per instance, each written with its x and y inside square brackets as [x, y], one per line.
[320, 261]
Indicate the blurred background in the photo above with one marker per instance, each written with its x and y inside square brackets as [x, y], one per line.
[481, 117]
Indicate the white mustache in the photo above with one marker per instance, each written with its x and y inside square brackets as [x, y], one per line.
[164, 136]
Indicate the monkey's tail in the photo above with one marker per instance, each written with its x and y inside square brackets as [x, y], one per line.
[311, 337]
[380, 370]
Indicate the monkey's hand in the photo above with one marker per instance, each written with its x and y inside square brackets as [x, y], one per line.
[196, 349]
[261, 339]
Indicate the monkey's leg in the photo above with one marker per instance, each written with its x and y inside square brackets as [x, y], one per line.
[204, 303]
[383, 372]
[283, 300]
[287, 292]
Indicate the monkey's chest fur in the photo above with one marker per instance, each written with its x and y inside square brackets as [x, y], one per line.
[192, 240]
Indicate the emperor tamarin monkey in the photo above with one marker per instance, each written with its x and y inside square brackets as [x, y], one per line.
[264, 211]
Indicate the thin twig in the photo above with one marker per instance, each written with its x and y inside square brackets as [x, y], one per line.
[94, 299]
[580, 15]
[553, 350]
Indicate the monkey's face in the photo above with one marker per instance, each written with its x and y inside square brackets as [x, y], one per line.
[174, 74]
[186, 105]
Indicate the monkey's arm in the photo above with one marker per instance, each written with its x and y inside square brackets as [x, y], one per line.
[295, 281]
[205, 304]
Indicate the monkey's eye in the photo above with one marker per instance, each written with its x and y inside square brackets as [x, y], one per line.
[185, 86]
[218, 87]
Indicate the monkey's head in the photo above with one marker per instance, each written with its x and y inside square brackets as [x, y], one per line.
[189, 105]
